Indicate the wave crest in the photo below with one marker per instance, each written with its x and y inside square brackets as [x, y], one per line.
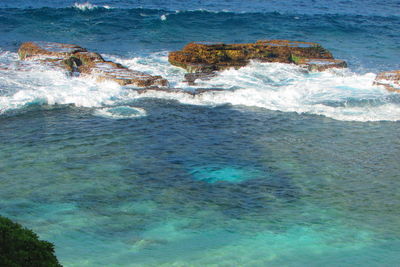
[88, 6]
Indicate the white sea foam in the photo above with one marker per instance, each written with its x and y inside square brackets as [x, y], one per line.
[85, 6]
[88, 6]
[163, 17]
[42, 85]
[120, 112]
[337, 94]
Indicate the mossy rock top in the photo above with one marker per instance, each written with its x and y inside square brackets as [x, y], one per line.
[219, 56]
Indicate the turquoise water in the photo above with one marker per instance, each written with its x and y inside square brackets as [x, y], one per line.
[128, 192]
[290, 169]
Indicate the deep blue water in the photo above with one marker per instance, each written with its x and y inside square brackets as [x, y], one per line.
[289, 169]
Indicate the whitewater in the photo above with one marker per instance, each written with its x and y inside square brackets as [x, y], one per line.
[338, 94]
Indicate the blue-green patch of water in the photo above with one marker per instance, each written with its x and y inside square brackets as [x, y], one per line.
[231, 174]
[123, 192]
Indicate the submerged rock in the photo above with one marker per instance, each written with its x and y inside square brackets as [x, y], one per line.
[79, 61]
[389, 79]
[206, 58]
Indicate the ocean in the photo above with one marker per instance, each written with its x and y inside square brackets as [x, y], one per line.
[279, 168]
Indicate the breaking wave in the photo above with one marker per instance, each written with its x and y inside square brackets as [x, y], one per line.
[338, 94]
[88, 6]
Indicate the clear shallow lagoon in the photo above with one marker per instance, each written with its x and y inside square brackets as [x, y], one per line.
[291, 169]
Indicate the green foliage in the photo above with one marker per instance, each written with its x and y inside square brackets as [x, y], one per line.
[20, 247]
[72, 63]
[320, 50]
[21, 54]
[295, 59]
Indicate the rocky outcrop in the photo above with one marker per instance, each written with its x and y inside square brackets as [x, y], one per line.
[79, 61]
[389, 79]
[206, 58]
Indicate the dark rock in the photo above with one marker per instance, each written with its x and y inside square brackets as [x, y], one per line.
[78, 61]
[191, 77]
[196, 92]
[390, 80]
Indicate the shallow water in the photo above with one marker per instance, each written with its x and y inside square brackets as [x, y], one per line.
[283, 168]
[127, 192]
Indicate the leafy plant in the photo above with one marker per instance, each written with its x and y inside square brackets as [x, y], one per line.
[296, 59]
[20, 247]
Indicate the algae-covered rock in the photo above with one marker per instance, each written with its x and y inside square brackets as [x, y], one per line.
[78, 60]
[20, 247]
[207, 57]
[389, 79]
